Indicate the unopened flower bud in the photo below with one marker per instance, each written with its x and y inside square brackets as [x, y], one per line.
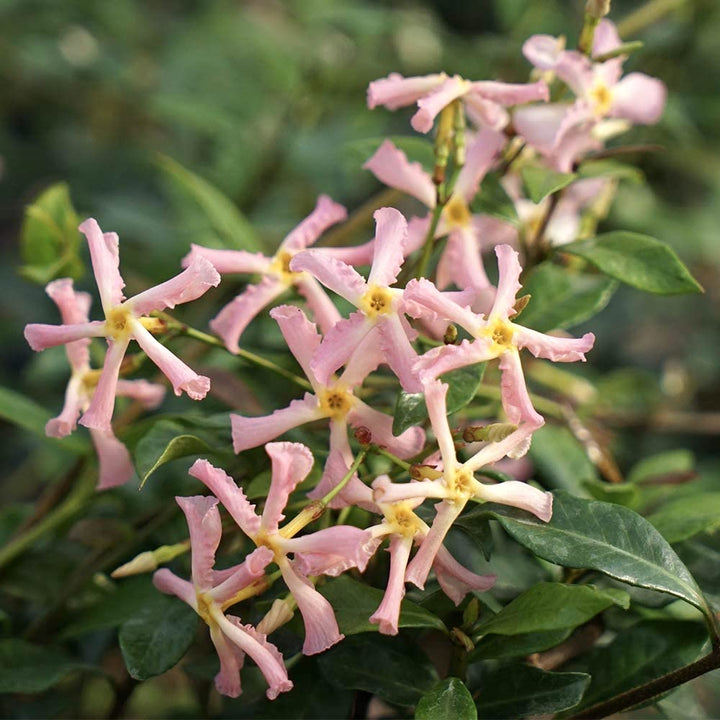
[150, 560]
[424, 472]
[471, 612]
[521, 304]
[597, 8]
[363, 435]
[279, 614]
[461, 639]
[451, 334]
[494, 432]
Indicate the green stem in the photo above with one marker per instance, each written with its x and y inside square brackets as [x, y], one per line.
[346, 478]
[429, 241]
[648, 14]
[393, 458]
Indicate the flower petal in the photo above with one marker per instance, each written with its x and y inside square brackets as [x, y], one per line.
[396, 91]
[332, 551]
[291, 463]
[436, 402]
[300, 335]
[149, 394]
[74, 308]
[326, 213]
[390, 239]
[510, 93]
[332, 273]
[105, 257]
[227, 681]
[399, 353]
[421, 298]
[430, 105]
[557, 349]
[387, 616]
[168, 582]
[543, 51]
[41, 337]
[241, 575]
[324, 312]
[639, 98]
[457, 581]
[203, 519]
[515, 399]
[481, 155]
[519, 495]
[440, 360]
[229, 262]
[115, 465]
[66, 421]
[508, 282]
[461, 262]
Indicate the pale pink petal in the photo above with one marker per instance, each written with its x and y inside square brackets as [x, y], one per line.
[168, 582]
[182, 377]
[491, 231]
[114, 464]
[100, 410]
[390, 165]
[514, 445]
[321, 630]
[576, 71]
[331, 551]
[190, 284]
[481, 154]
[323, 309]
[541, 125]
[399, 353]
[461, 263]
[396, 91]
[439, 360]
[205, 526]
[425, 295]
[355, 256]
[241, 575]
[430, 105]
[105, 257]
[249, 432]
[228, 262]
[606, 37]
[543, 51]
[510, 93]
[457, 581]
[574, 144]
[300, 335]
[231, 321]
[227, 681]
[519, 495]
[639, 98]
[339, 344]
[419, 567]
[380, 426]
[149, 394]
[266, 656]
[390, 239]
[74, 308]
[486, 113]
[515, 399]
[436, 402]
[417, 232]
[557, 349]
[387, 616]
[66, 421]
[332, 273]
[41, 337]
[508, 282]
[326, 213]
[229, 494]
[363, 361]
[387, 492]
[291, 463]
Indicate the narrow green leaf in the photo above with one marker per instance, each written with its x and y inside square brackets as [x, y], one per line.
[562, 299]
[157, 637]
[610, 168]
[665, 463]
[448, 700]
[394, 669]
[410, 408]
[225, 218]
[552, 606]
[27, 668]
[519, 691]
[638, 260]
[354, 602]
[609, 538]
[494, 200]
[539, 182]
[512, 646]
[686, 517]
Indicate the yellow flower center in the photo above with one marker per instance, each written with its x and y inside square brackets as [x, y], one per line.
[460, 484]
[336, 402]
[601, 98]
[456, 212]
[402, 519]
[117, 322]
[280, 266]
[501, 335]
[203, 609]
[376, 301]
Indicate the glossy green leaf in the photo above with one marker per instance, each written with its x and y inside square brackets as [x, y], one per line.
[638, 260]
[552, 606]
[354, 602]
[493, 200]
[640, 654]
[512, 646]
[410, 408]
[49, 238]
[539, 182]
[600, 536]
[227, 221]
[665, 463]
[688, 516]
[520, 691]
[448, 700]
[27, 668]
[610, 169]
[561, 299]
[156, 637]
[392, 668]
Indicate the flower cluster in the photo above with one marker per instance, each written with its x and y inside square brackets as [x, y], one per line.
[395, 322]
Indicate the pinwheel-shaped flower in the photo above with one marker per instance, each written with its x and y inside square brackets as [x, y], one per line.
[211, 592]
[493, 337]
[329, 551]
[484, 101]
[277, 277]
[113, 457]
[126, 320]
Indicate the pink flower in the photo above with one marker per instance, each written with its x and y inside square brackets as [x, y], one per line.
[126, 320]
[458, 485]
[494, 337]
[484, 101]
[329, 551]
[277, 277]
[460, 261]
[211, 592]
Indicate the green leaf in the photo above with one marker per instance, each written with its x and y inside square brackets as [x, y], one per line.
[27, 668]
[638, 260]
[552, 606]
[610, 168]
[410, 408]
[225, 218]
[670, 462]
[519, 691]
[688, 516]
[394, 668]
[562, 299]
[448, 700]
[157, 637]
[540, 181]
[510, 646]
[600, 536]
[640, 654]
[494, 200]
[49, 238]
[354, 602]
[480, 531]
